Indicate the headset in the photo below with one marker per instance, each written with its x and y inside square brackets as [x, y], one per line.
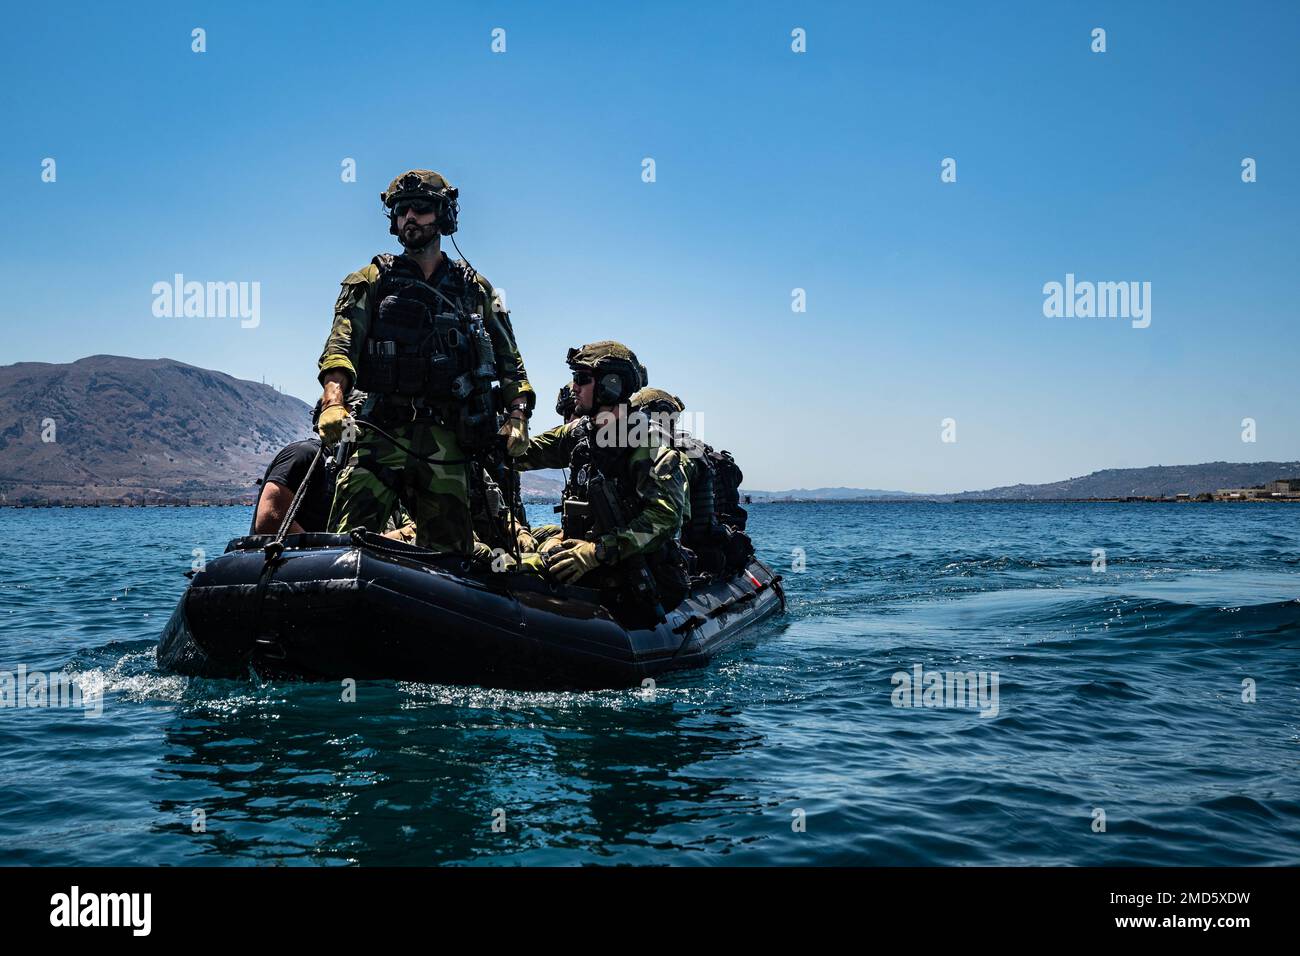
[611, 388]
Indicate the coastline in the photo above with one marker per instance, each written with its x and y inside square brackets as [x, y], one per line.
[248, 502]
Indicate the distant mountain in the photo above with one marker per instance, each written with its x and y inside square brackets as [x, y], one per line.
[1154, 481]
[824, 494]
[543, 485]
[130, 430]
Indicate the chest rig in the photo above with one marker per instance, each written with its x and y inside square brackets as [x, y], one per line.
[577, 519]
[428, 355]
[593, 465]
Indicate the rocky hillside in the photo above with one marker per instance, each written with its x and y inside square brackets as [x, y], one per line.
[129, 430]
[114, 429]
[1155, 481]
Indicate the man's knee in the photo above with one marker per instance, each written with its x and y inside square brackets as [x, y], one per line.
[443, 522]
[361, 500]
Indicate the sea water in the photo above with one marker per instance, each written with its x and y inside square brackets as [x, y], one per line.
[1132, 678]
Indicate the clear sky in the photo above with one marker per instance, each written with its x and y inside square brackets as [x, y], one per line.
[775, 170]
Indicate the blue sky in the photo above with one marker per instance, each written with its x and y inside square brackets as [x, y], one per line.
[775, 171]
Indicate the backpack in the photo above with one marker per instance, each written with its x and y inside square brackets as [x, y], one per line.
[727, 477]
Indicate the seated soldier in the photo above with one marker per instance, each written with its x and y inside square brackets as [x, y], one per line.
[713, 541]
[626, 489]
[283, 478]
[285, 475]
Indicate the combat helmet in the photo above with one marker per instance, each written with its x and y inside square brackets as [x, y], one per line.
[618, 373]
[657, 401]
[423, 184]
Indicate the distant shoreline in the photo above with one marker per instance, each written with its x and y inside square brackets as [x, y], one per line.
[108, 505]
[942, 500]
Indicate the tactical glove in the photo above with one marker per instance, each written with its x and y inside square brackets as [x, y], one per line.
[551, 545]
[503, 563]
[525, 541]
[515, 431]
[532, 562]
[330, 423]
[572, 560]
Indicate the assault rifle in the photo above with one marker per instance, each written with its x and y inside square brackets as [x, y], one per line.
[482, 417]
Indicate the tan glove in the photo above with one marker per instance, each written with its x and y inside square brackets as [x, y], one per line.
[572, 560]
[551, 545]
[503, 562]
[515, 431]
[532, 562]
[330, 423]
[525, 541]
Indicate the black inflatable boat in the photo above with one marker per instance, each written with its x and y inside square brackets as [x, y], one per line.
[329, 607]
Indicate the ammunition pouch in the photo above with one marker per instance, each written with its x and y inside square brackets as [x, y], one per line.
[737, 547]
[411, 354]
[577, 520]
[428, 355]
[671, 574]
[709, 548]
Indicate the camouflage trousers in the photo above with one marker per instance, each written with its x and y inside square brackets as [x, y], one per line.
[379, 476]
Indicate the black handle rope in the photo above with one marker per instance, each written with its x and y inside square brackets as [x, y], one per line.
[276, 547]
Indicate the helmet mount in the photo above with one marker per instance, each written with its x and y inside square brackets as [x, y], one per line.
[427, 185]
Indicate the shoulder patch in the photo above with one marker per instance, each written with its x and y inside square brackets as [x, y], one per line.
[666, 461]
[494, 297]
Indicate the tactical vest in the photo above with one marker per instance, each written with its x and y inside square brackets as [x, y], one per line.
[576, 518]
[588, 461]
[427, 349]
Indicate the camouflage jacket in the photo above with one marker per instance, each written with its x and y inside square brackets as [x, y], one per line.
[355, 309]
[651, 479]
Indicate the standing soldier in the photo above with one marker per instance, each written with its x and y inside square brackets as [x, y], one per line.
[426, 337]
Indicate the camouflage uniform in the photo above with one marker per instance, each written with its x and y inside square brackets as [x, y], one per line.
[713, 527]
[438, 493]
[649, 476]
[664, 407]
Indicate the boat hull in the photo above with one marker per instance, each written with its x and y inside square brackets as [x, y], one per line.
[332, 607]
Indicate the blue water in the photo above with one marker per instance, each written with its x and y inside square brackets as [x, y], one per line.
[1119, 691]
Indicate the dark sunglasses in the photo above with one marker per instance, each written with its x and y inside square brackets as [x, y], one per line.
[418, 206]
[583, 378]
